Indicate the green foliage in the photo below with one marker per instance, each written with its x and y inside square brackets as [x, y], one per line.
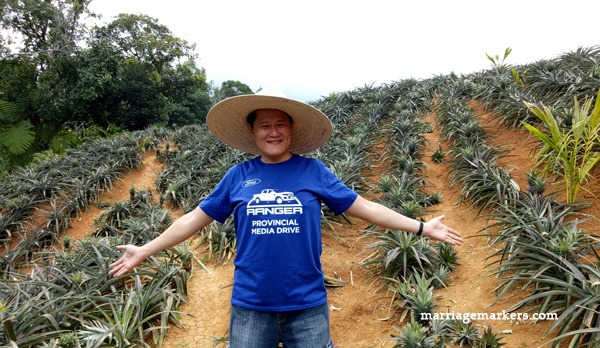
[466, 334]
[416, 295]
[570, 154]
[48, 28]
[526, 224]
[497, 61]
[489, 339]
[64, 140]
[413, 335]
[438, 155]
[539, 248]
[448, 256]
[220, 240]
[230, 88]
[143, 39]
[499, 65]
[18, 137]
[399, 254]
[82, 303]
[574, 296]
[187, 93]
[132, 73]
[7, 111]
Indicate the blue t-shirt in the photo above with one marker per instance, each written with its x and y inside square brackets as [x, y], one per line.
[277, 217]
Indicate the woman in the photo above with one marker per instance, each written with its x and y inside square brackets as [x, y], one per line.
[278, 292]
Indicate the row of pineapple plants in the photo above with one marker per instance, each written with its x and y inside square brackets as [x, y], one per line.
[415, 296]
[534, 237]
[82, 305]
[38, 202]
[554, 100]
[197, 167]
[402, 186]
[552, 82]
[411, 267]
[69, 300]
[353, 102]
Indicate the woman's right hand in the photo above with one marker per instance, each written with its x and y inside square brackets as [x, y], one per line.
[180, 230]
[132, 257]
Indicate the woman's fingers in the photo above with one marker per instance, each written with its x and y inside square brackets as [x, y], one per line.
[119, 270]
[447, 234]
[118, 262]
[118, 266]
[455, 235]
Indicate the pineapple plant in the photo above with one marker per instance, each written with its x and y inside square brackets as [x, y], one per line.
[438, 155]
[132, 193]
[537, 185]
[421, 300]
[413, 335]
[465, 334]
[489, 339]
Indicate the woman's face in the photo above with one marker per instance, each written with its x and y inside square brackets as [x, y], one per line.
[272, 133]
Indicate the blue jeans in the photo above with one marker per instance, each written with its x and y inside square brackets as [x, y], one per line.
[308, 328]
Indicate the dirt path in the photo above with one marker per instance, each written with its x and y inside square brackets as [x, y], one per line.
[142, 179]
[356, 318]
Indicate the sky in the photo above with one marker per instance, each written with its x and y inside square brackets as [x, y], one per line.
[311, 48]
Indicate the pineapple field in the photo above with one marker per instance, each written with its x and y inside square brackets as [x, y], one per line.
[509, 155]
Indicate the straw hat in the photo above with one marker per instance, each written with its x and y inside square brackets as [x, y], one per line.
[227, 121]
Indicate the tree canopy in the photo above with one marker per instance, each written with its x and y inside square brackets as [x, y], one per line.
[55, 74]
[230, 88]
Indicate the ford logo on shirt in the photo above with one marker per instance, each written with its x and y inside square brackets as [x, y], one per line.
[250, 182]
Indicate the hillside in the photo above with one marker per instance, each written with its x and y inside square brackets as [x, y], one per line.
[361, 316]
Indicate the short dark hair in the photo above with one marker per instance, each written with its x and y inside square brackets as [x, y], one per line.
[251, 118]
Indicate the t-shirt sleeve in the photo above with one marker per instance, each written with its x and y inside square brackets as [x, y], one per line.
[217, 204]
[337, 196]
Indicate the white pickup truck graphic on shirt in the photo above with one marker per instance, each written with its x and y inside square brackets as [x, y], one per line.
[269, 195]
[271, 202]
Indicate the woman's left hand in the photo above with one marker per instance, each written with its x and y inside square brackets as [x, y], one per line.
[435, 229]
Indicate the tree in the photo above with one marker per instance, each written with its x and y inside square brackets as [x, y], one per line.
[46, 29]
[186, 89]
[132, 73]
[140, 101]
[142, 38]
[230, 88]
[569, 153]
[17, 109]
[46, 34]
[159, 81]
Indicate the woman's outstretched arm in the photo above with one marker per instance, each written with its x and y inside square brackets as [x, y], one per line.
[387, 218]
[182, 229]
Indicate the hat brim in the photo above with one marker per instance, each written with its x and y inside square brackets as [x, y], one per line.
[227, 122]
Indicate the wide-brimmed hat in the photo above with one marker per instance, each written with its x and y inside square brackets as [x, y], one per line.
[227, 121]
